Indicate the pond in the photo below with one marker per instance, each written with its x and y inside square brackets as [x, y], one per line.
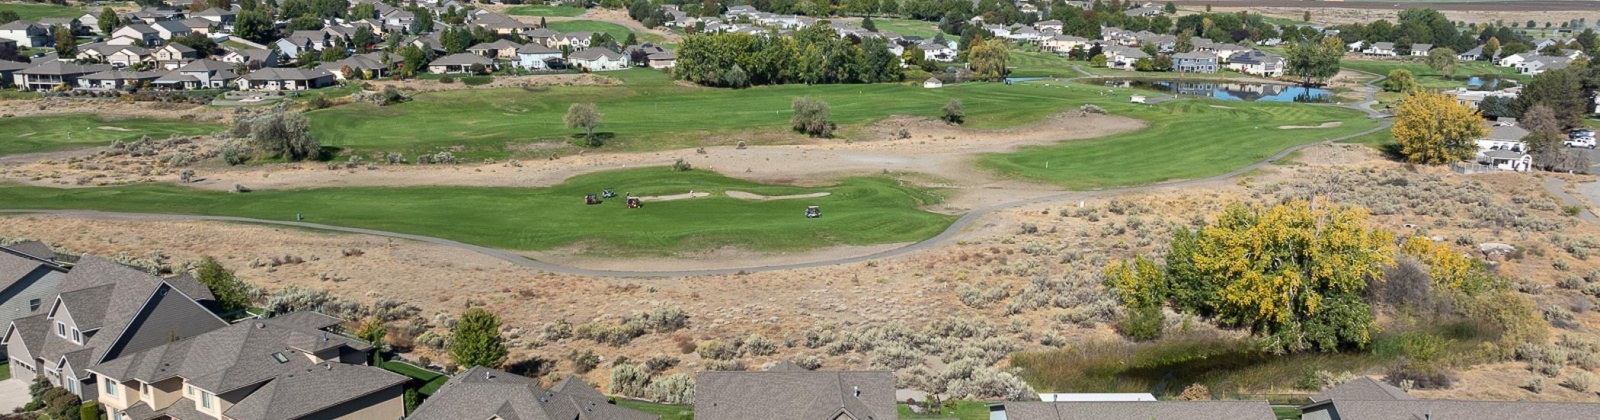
[1490, 82]
[1228, 91]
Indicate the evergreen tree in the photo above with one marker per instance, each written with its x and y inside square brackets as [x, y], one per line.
[476, 340]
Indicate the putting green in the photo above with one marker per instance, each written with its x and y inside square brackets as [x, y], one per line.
[858, 211]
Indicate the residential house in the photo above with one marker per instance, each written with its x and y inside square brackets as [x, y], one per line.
[137, 34]
[104, 310]
[200, 74]
[542, 36]
[116, 55]
[1049, 26]
[302, 41]
[28, 34]
[288, 367]
[483, 393]
[91, 22]
[364, 66]
[8, 70]
[1474, 54]
[1380, 49]
[275, 78]
[1121, 57]
[1134, 410]
[1194, 62]
[502, 49]
[1028, 8]
[1063, 44]
[29, 277]
[572, 40]
[789, 393]
[198, 25]
[1366, 399]
[71, 23]
[535, 56]
[1504, 150]
[933, 51]
[54, 73]
[1257, 62]
[1514, 59]
[400, 18]
[460, 63]
[117, 79]
[1541, 63]
[597, 59]
[169, 29]
[1355, 46]
[218, 17]
[639, 54]
[662, 60]
[1471, 98]
[172, 56]
[498, 23]
[1421, 50]
[253, 58]
[1001, 31]
[1543, 43]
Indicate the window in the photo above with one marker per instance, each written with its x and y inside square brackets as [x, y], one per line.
[205, 399]
[111, 387]
[33, 305]
[76, 336]
[144, 388]
[280, 357]
[61, 329]
[189, 390]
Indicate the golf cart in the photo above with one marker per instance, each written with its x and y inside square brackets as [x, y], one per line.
[608, 193]
[813, 212]
[591, 199]
[634, 203]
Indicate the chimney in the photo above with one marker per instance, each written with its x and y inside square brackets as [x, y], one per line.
[857, 391]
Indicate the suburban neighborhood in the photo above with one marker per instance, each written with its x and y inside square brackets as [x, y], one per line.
[813, 210]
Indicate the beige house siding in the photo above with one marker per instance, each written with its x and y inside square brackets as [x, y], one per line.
[127, 393]
[388, 404]
[164, 393]
[22, 363]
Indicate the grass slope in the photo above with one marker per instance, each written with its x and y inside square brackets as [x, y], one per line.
[544, 10]
[860, 211]
[651, 112]
[43, 134]
[35, 11]
[1187, 139]
[618, 32]
[666, 411]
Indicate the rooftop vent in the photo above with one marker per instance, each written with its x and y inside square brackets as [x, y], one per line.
[857, 391]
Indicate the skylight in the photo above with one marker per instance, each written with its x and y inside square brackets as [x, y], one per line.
[280, 357]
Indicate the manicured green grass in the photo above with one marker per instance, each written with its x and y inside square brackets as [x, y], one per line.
[1286, 413]
[544, 10]
[431, 380]
[965, 410]
[926, 30]
[43, 134]
[650, 113]
[1187, 139]
[35, 11]
[666, 411]
[5, 371]
[1433, 79]
[1025, 63]
[860, 211]
[619, 32]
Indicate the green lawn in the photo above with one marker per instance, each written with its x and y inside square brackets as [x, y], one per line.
[5, 371]
[926, 30]
[666, 411]
[860, 211]
[651, 113]
[1042, 64]
[1286, 413]
[1433, 79]
[619, 32]
[965, 410]
[43, 134]
[431, 380]
[1186, 139]
[544, 10]
[35, 11]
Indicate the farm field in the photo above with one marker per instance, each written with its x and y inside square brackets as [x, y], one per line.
[859, 211]
[1187, 139]
[544, 10]
[618, 32]
[44, 134]
[36, 11]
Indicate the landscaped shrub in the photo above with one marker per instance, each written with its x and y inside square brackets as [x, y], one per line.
[674, 389]
[1143, 323]
[629, 380]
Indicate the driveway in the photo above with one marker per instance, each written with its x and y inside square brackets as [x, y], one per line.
[13, 394]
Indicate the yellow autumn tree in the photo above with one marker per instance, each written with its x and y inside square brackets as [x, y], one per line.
[1448, 268]
[1294, 273]
[1140, 282]
[1433, 129]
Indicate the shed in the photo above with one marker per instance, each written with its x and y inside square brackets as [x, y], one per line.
[932, 83]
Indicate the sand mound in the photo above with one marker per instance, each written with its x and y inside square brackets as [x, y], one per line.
[752, 196]
[1323, 125]
[674, 196]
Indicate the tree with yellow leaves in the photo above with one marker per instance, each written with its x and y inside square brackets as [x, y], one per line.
[1449, 269]
[1433, 129]
[1139, 282]
[1294, 273]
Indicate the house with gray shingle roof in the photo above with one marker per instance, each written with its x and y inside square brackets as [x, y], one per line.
[104, 310]
[598, 59]
[275, 78]
[1365, 389]
[54, 73]
[1135, 410]
[28, 34]
[791, 394]
[29, 276]
[459, 63]
[483, 393]
[1368, 399]
[290, 367]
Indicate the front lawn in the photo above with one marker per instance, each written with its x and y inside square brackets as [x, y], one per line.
[544, 10]
[431, 381]
[965, 410]
[859, 211]
[44, 134]
[666, 411]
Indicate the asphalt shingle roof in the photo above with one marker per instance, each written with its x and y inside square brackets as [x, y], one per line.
[312, 389]
[1141, 410]
[805, 395]
[1460, 410]
[481, 393]
[1363, 389]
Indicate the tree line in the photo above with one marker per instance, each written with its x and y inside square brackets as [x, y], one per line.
[813, 55]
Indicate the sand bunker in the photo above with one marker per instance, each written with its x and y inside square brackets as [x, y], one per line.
[107, 127]
[752, 196]
[1324, 125]
[674, 196]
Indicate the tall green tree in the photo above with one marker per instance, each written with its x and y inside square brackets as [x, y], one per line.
[476, 340]
[1400, 80]
[66, 43]
[254, 25]
[988, 58]
[1562, 91]
[231, 294]
[1442, 59]
[1314, 61]
[108, 21]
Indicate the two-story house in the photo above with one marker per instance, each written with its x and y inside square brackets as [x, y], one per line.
[28, 277]
[135, 34]
[289, 367]
[1194, 62]
[104, 310]
[253, 59]
[28, 34]
[199, 74]
[1257, 62]
[172, 56]
[483, 393]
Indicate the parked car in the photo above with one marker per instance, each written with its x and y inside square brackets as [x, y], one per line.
[1587, 142]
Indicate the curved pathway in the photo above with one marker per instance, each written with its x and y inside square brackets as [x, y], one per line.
[942, 238]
